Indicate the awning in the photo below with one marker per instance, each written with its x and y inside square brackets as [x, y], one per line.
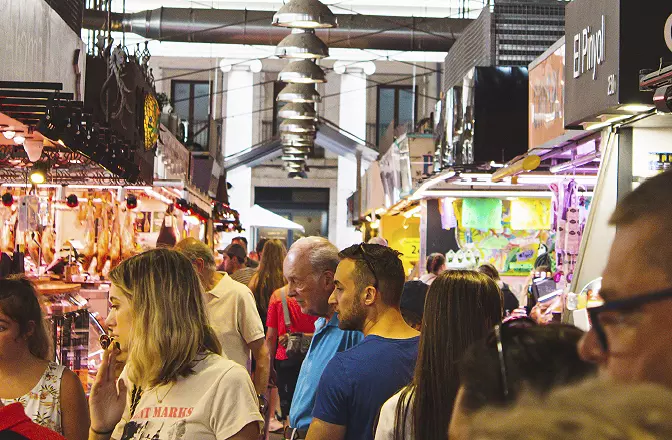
[329, 136]
[263, 218]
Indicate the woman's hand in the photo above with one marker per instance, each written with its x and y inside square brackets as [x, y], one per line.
[283, 340]
[106, 404]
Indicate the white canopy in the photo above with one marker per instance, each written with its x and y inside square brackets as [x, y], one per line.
[263, 218]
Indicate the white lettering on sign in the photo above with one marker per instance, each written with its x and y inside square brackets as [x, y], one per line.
[589, 50]
[668, 32]
[611, 85]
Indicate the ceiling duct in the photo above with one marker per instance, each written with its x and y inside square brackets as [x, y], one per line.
[255, 28]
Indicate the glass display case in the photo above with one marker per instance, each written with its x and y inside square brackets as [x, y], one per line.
[75, 330]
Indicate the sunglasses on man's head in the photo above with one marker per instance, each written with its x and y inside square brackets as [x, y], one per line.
[365, 257]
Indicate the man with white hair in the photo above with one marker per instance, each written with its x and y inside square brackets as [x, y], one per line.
[232, 312]
[309, 268]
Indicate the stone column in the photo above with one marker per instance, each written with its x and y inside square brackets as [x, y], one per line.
[239, 129]
[352, 118]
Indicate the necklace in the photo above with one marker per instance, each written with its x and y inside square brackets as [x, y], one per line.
[156, 391]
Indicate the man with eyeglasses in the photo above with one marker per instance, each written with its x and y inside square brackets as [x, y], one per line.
[631, 338]
[357, 382]
[309, 269]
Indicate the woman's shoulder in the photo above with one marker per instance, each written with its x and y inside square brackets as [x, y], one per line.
[217, 366]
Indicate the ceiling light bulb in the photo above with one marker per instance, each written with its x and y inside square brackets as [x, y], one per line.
[38, 177]
[306, 14]
[302, 72]
[302, 44]
[18, 139]
[9, 134]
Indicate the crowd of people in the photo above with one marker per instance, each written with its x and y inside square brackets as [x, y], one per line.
[354, 350]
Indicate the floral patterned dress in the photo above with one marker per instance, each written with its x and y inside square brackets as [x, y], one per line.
[43, 403]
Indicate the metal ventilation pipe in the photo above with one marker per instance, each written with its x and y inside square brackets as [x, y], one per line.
[254, 27]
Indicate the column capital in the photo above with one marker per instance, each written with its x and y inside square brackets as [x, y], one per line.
[367, 67]
[229, 64]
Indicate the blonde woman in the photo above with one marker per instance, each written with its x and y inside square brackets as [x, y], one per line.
[175, 385]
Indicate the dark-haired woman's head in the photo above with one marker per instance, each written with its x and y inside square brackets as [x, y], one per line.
[495, 370]
[489, 270]
[461, 308]
[22, 323]
[436, 263]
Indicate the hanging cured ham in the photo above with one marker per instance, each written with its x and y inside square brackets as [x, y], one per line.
[48, 244]
[7, 222]
[103, 244]
[168, 234]
[115, 242]
[127, 236]
[89, 235]
[33, 246]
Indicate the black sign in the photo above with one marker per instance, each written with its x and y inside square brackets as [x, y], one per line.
[607, 43]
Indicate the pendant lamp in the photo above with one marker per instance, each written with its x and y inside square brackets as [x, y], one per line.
[298, 111]
[298, 126]
[305, 14]
[299, 93]
[302, 44]
[302, 72]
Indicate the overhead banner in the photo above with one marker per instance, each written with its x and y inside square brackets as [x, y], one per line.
[547, 96]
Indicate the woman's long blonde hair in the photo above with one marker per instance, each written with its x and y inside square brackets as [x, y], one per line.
[170, 327]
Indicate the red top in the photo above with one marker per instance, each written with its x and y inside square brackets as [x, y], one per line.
[301, 323]
[13, 418]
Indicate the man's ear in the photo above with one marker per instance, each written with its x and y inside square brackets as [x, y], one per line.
[371, 295]
[328, 278]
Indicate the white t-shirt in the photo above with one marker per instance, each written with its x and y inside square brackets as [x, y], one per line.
[215, 403]
[385, 429]
[234, 317]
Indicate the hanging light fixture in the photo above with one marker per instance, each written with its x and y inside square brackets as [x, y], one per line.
[298, 126]
[288, 136]
[299, 93]
[305, 14]
[33, 149]
[302, 72]
[288, 149]
[298, 143]
[298, 111]
[302, 44]
[294, 158]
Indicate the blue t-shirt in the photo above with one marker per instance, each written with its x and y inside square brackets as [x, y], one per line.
[327, 341]
[357, 383]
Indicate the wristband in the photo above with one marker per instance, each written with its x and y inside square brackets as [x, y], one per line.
[101, 432]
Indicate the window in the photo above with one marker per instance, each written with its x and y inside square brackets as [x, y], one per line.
[191, 101]
[395, 103]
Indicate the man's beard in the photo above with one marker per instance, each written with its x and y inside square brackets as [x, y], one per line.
[353, 319]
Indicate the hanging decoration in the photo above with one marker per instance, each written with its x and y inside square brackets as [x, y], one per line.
[569, 218]
[7, 199]
[131, 201]
[72, 201]
[527, 213]
[226, 219]
[482, 214]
